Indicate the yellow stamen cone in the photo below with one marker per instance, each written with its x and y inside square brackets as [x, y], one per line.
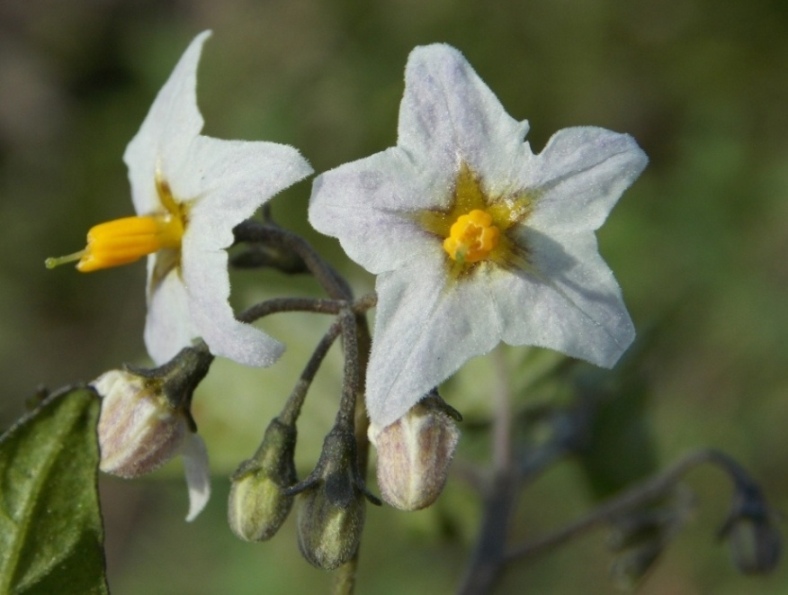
[124, 241]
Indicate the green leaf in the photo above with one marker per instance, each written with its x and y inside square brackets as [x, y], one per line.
[51, 534]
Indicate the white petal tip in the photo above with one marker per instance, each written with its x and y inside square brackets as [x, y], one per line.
[198, 481]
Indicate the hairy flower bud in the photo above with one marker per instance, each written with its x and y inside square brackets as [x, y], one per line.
[139, 430]
[331, 503]
[258, 504]
[415, 452]
[329, 531]
[145, 421]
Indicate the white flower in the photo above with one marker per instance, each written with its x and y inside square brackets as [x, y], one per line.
[139, 430]
[474, 238]
[189, 192]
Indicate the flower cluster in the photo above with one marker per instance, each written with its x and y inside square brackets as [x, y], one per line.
[474, 238]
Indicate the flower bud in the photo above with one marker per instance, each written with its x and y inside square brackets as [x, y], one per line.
[415, 452]
[331, 504]
[139, 430]
[328, 532]
[145, 421]
[258, 504]
[754, 539]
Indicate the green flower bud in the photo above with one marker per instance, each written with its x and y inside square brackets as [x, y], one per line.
[329, 531]
[415, 452]
[331, 504]
[258, 503]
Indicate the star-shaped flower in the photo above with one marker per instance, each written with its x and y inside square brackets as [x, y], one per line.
[474, 238]
[189, 192]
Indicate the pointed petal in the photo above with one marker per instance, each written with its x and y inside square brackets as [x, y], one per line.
[579, 177]
[226, 181]
[370, 204]
[424, 332]
[198, 476]
[171, 124]
[572, 303]
[168, 325]
[448, 115]
[205, 276]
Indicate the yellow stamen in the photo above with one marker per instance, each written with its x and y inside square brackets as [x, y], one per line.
[472, 237]
[123, 241]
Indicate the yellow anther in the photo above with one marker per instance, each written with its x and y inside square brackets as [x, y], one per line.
[123, 241]
[472, 237]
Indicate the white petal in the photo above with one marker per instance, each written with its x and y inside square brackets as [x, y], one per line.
[369, 205]
[572, 304]
[171, 124]
[425, 329]
[448, 115]
[580, 175]
[226, 181]
[208, 286]
[168, 325]
[198, 476]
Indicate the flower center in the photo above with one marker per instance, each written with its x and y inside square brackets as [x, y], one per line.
[126, 240]
[472, 237]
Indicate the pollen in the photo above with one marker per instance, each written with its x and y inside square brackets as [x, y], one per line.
[472, 237]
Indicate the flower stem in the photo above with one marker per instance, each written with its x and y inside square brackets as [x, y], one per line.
[255, 231]
[345, 581]
[292, 408]
[488, 558]
[276, 305]
[633, 498]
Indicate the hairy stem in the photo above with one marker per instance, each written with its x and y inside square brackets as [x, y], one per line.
[346, 576]
[292, 408]
[276, 305]
[265, 233]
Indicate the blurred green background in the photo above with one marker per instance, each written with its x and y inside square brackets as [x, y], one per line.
[699, 246]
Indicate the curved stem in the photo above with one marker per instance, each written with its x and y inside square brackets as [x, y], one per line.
[637, 496]
[255, 231]
[276, 305]
[294, 403]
